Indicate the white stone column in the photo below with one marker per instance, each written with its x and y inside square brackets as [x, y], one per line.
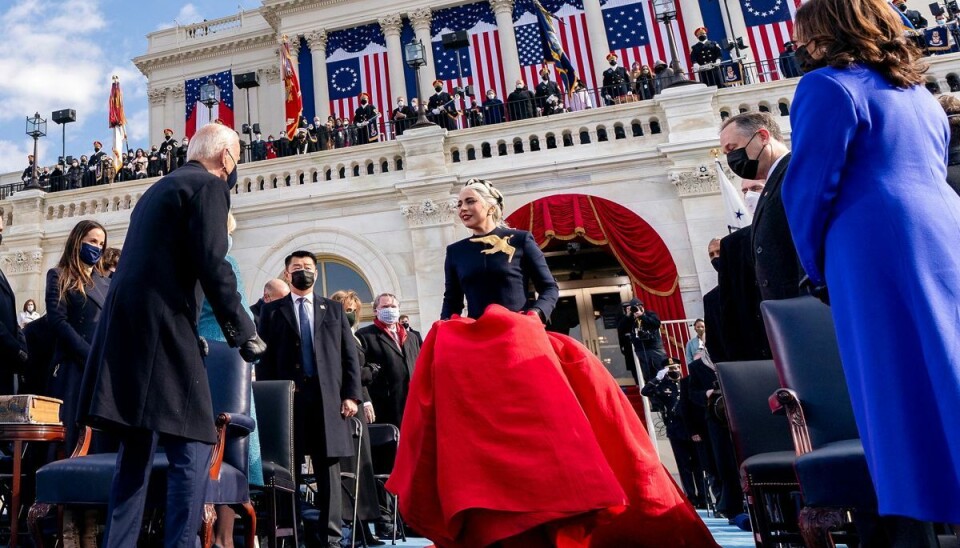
[693, 19]
[597, 34]
[391, 26]
[420, 20]
[156, 96]
[510, 57]
[295, 53]
[177, 114]
[317, 42]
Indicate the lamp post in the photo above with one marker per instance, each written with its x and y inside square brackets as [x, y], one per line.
[36, 128]
[208, 96]
[666, 11]
[415, 55]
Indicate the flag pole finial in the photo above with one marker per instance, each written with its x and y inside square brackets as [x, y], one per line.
[716, 153]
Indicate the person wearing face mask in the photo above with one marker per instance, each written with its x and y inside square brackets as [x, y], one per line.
[443, 111]
[643, 85]
[389, 344]
[146, 358]
[755, 151]
[403, 116]
[493, 109]
[548, 95]
[90, 177]
[367, 120]
[707, 54]
[310, 342]
[405, 322]
[711, 307]
[29, 313]
[917, 20]
[616, 81]
[520, 103]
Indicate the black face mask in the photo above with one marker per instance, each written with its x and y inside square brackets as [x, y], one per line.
[715, 263]
[364, 102]
[806, 61]
[232, 176]
[743, 165]
[702, 38]
[613, 63]
[438, 89]
[902, 7]
[303, 279]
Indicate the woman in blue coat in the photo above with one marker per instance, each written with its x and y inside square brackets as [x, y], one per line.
[874, 220]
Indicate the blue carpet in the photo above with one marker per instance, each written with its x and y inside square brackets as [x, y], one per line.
[727, 536]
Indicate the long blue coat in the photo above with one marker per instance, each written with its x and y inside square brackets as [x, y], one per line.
[872, 215]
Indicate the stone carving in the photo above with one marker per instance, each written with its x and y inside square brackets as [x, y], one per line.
[499, 6]
[317, 40]
[157, 95]
[177, 91]
[702, 180]
[391, 24]
[420, 19]
[429, 212]
[22, 261]
[271, 74]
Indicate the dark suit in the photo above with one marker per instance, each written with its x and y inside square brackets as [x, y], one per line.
[520, 104]
[544, 91]
[400, 124]
[616, 84]
[72, 321]
[145, 376]
[12, 341]
[778, 269]
[447, 118]
[917, 20]
[319, 428]
[707, 53]
[741, 326]
[388, 392]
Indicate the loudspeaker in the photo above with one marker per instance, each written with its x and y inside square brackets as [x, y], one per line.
[935, 9]
[64, 116]
[952, 7]
[246, 80]
[455, 40]
[69, 161]
[256, 128]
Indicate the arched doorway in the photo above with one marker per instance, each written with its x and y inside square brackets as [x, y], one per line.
[602, 255]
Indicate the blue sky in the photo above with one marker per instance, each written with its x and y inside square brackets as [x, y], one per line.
[60, 54]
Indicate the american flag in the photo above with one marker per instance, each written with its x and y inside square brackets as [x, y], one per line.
[357, 62]
[480, 61]
[634, 39]
[530, 49]
[571, 27]
[197, 113]
[769, 26]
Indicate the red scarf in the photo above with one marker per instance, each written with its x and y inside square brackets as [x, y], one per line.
[401, 332]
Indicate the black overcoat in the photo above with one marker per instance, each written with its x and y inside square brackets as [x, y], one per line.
[11, 338]
[774, 255]
[337, 366]
[145, 368]
[388, 391]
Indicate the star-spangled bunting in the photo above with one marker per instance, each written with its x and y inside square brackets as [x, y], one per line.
[197, 113]
[769, 27]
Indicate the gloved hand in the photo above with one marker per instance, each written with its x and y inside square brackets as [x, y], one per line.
[253, 349]
[662, 374]
[435, 111]
[23, 356]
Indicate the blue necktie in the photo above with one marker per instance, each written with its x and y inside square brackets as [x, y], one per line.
[306, 340]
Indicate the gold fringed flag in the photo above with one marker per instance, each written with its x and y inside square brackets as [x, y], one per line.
[291, 86]
[118, 122]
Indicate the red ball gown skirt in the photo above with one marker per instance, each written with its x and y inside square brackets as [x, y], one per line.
[517, 436]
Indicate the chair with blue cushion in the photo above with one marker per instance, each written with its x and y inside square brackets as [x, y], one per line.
[764, 450]
[830, 464]
[85, 480]
[275, 417]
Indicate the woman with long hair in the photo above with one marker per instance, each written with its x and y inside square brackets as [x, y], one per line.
[876, 228]
[368, 510]
[513, 436]
[29, 313]
[75, 293]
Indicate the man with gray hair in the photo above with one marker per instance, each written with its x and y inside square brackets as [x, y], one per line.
[756, 152]
[145, 379]
[388, 344]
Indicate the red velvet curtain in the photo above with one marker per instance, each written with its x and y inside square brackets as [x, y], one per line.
[634, 243]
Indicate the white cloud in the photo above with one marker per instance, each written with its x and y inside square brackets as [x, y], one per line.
[188, 15]
[13, 155]
[54, 49]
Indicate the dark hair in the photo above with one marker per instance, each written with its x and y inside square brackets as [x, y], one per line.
[861, 31]
[951, 106]
[111, 256]
[751, 122]
[299, 254]
[28, 302]
[73, 273]
[699, 320]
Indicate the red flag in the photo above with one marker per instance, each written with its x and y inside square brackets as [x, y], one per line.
[118, 122]
[291, 84]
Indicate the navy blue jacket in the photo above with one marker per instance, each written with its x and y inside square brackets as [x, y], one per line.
[481, 269]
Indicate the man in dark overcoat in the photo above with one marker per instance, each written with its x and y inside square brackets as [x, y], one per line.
[13, 345]
[391, 346]
[145, 378]
[777, 267]
[326, 371]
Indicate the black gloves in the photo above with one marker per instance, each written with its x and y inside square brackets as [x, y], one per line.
[818, 291]
[253, 349]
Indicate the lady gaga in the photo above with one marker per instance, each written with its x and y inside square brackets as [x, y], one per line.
[516, 437]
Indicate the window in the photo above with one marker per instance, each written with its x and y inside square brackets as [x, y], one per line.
[335, 274]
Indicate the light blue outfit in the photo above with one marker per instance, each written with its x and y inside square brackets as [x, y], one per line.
[872, 216]
[693, 347]
[209, 329]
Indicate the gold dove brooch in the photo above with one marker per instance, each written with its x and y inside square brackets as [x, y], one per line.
[498, 245]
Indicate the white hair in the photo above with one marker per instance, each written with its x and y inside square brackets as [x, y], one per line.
[491, 196]
[210, 141]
